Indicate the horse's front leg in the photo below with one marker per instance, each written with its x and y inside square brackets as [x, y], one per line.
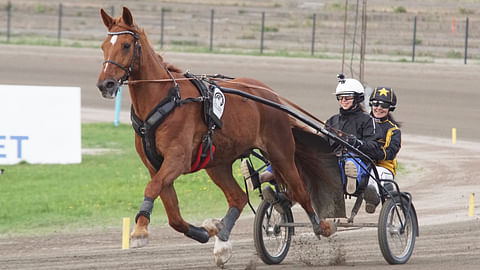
[161, 183]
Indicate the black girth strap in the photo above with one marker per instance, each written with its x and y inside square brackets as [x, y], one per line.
[146, 130]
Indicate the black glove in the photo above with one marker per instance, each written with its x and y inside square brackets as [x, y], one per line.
[352, 140]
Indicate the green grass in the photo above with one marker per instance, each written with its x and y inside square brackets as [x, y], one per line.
[38, 199]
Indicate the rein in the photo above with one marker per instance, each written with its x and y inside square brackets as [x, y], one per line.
[157, 81]
[175, 96]
[219, 77]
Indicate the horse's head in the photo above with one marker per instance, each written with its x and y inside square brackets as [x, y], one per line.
[121, 51]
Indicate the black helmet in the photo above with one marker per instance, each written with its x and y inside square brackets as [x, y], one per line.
[386, 95]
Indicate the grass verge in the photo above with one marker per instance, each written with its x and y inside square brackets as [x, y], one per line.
[106, 186]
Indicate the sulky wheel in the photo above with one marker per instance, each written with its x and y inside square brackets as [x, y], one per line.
[272, 241]
[397, 244]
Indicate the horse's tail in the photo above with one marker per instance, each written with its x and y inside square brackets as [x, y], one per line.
[318, 168]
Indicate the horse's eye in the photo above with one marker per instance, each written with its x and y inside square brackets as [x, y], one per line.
[126, 45]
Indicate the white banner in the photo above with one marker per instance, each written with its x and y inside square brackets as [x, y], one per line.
[40, 124]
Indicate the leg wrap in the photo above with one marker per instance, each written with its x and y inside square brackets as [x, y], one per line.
[197, 233]
[145, 209]
[228, 222]
[317, 229]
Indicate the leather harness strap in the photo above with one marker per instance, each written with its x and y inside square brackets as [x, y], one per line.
[146, 129]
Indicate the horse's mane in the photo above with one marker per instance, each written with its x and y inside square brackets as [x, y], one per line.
[168, 66]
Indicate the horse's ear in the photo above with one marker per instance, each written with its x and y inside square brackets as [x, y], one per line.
[127, 16]
[107, 20]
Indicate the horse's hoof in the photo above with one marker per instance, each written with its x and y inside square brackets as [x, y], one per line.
[222, 251]
[328, 228]
[213, 226]
[138, 242]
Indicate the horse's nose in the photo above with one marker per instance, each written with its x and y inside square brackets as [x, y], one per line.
[107, 85]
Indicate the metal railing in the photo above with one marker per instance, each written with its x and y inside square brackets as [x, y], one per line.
[250, 30]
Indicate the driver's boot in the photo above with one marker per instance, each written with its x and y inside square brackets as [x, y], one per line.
[277, 199]
[372, 199]
[351, 174]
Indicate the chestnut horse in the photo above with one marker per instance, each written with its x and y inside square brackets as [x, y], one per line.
[247, 125]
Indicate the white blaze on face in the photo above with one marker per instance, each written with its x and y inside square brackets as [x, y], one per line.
[113, 39]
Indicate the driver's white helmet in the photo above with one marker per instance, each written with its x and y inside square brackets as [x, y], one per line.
[349, 86]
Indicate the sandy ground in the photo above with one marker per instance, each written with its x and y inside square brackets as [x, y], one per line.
[441, 176]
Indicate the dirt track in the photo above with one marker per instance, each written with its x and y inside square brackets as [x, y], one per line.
[440, 176]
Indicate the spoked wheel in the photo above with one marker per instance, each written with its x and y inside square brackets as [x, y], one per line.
[271, 240]
[397, 244]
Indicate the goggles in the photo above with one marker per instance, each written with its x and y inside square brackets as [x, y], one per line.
[349, 97]
[376, 103]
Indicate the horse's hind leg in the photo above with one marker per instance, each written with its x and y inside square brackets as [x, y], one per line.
[222, 177]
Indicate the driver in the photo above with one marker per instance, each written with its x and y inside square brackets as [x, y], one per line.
[360, 130]
[383, 101]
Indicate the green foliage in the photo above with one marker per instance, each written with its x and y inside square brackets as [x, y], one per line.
[270, 29]
[101, 190]
[184, 42]
[465, 11]
[454, 54]
[40, 9]
[336, 6]
[250, 36]
[399, 9]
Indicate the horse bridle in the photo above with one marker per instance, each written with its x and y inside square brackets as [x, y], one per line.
[136, 48]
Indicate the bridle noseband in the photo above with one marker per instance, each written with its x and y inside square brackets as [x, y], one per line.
[136, 48]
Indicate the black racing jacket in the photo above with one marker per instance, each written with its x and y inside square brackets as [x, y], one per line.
[362, 125]
[390, 144]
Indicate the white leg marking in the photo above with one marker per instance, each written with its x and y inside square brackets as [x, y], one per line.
[222, 251]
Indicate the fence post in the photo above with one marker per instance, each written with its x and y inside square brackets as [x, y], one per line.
[60, 14]
[414, 38]
[211, 28]
[314, 19]
[162, 26]
[9, 19]
[466, 41]
[262, 33]
[112, 11]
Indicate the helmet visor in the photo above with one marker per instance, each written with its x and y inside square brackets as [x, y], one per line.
[376, 103]
[346, 97]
